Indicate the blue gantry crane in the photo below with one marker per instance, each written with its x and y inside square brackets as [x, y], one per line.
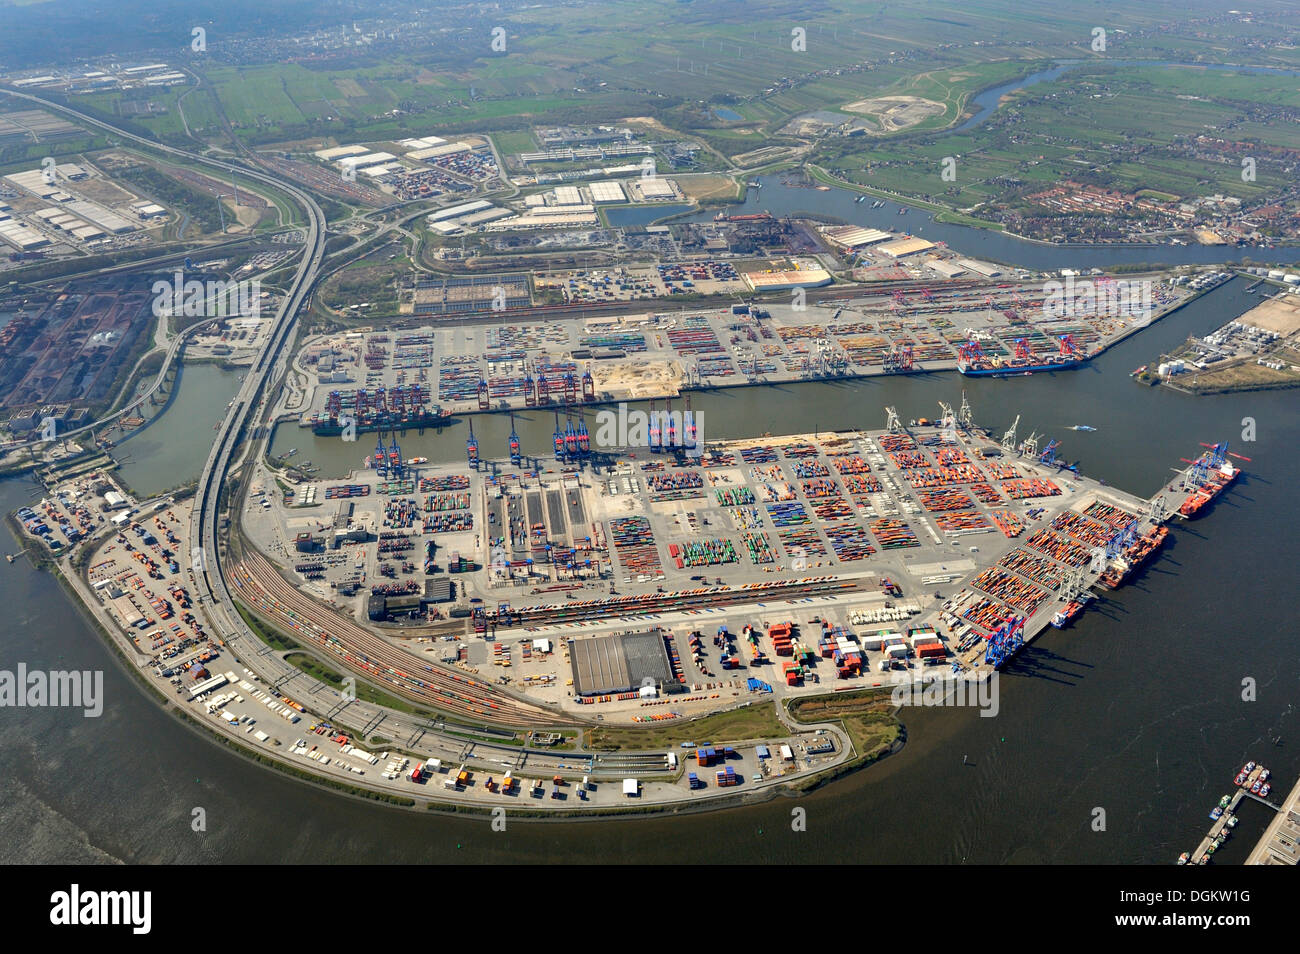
[516, 457]
[471, 448]
[1005, 641]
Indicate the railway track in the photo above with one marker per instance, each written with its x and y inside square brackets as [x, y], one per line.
[365, 653]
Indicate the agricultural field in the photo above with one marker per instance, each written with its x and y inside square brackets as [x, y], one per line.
[1092, 126]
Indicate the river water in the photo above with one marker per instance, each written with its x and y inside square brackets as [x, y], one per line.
[1137, 710]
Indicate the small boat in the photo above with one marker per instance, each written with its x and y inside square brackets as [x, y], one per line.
[1082, 427]
[861, 198]
[418, 460]
[1213, 847]
[1182, 859]
[1263, 775]
[1254, 788]
[1215, 813]
[1250, 767]
[1225, 801]
[1240, 779]
[1232, 821]
[1136, 371]
[902, 211]
[1205, 859]
[1265, 789]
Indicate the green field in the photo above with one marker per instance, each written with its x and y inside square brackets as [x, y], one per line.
[751, 722]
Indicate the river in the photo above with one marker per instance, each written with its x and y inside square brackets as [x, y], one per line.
[1137, 710]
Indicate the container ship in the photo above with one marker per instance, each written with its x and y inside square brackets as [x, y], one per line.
[1072, 609]
[328, 425]
[374, 409]
[971, 359]
[1216, 481]
[1133, 557]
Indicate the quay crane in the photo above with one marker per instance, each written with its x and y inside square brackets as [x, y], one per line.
[670, 435]
[965, 416]
[516, 457]
[396, 466]
[892, 422]
[588, 386]
[1219, 454]
[1049, 452]
[947, 417]
[655, 445]
[471, 448]
[1121, 540]
[584, 439]
[530, 388]
[1005, 641]
[689, 423]
[381, 459]
[570, 436]
[558, 439]
[1009, 438]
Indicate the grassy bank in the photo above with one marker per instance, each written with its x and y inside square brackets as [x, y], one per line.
[750, 722]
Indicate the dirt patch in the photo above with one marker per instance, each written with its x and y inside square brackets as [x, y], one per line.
[633, 380]
[895, 113]
[1281, 316]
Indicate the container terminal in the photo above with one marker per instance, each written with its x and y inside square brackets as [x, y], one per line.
[516, 595]
[415, 375]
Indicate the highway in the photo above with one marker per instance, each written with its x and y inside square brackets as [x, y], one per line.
[250, 407]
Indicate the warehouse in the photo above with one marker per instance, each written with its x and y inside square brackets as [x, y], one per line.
[909, 245]
[437, 152]
[980, 268]
[329, 155]
[854, 236]
[607, 191]
[453, 211]
[946, 269]
[781, 281]
[654, 189]
[623, 662]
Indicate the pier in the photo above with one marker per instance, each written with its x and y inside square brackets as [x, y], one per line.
[1280, 843]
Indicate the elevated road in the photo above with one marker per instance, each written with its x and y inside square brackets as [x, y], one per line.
[251, 407]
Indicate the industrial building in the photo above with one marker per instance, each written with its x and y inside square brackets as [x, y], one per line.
[780, 281]
[622, 662]
[854, 236]
[908, 245]
[380, 607]
[946, 269]
[607, 191]
[980, 268]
